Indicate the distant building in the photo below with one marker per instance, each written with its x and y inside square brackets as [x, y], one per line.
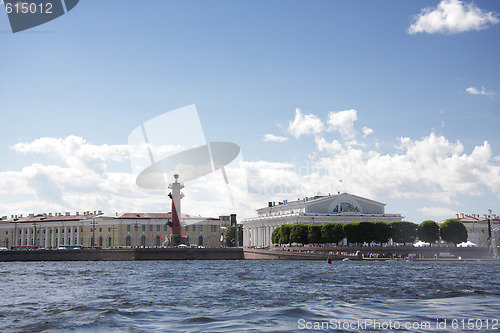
[321, 209]
[96, 229]
[477, 227]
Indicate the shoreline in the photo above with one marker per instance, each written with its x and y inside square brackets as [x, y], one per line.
[359, 253]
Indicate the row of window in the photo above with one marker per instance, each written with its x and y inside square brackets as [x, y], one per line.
[213, 228]
[143, 227]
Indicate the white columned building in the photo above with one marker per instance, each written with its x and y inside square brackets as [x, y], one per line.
[322, 209]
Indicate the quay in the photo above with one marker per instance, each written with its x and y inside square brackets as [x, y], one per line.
[373, 253]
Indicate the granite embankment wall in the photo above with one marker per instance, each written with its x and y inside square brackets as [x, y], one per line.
[124, 254]
[292, 253]
[341, 252]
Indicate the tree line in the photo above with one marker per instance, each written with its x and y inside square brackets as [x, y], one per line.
[451, 231]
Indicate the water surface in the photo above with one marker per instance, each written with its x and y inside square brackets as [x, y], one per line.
[248, 296]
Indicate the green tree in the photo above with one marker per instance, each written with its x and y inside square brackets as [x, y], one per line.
[382, 232]
[404, 232]
[230, 236]
[351, 231]
[314, 236]
[332, 232]
[299, 233]
[453, 231]
[428, 231]
[366, 232]
[285, 234]
[275, 236]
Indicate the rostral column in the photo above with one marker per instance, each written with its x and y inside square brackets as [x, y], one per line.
[176, 197]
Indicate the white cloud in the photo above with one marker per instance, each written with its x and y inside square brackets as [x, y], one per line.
[452, 16]
[367, 131]
[431, 168]
[437, 212]
[274, 138]
[79, 179]
[343, 122]
[483, 91]
[331, 147]
[305, 124]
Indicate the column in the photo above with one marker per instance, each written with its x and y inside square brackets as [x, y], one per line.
[58, 236]
[72, 241]
[52, 237]
[78, 236]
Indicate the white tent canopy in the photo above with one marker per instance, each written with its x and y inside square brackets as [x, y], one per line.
[466, 244]
[421, 244]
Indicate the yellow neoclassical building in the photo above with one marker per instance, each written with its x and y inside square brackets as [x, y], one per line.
[97, 229]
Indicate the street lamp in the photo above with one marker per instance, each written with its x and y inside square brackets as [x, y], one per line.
[34, 234]
[489, 228]
[136, 227]
[93, 224]
[169, 224]
[114, 228]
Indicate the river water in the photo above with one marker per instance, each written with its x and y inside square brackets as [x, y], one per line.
[249, 296]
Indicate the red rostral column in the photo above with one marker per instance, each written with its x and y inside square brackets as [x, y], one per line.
[176, 197]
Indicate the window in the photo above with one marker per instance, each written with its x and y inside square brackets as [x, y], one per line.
[187, 228]
[200, 228]
[157, 227]
[165, 227]
[194, 227]
[150, 227]
[128, 240]
[100, 229]
[128, 227]
[143, 227]
[143, 241]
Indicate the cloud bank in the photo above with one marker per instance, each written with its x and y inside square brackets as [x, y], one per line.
[426, 168]
[452, 17]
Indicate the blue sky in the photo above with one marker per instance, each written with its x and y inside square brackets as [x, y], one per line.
[400, 114]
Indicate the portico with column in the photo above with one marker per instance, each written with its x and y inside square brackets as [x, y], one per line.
[321, 209]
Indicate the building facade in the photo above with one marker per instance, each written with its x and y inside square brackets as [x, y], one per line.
[477, 228]
[96, 229]
[322, 209]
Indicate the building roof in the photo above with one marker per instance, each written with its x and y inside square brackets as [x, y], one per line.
[63, 217]
[52, 218]
[144, 216]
